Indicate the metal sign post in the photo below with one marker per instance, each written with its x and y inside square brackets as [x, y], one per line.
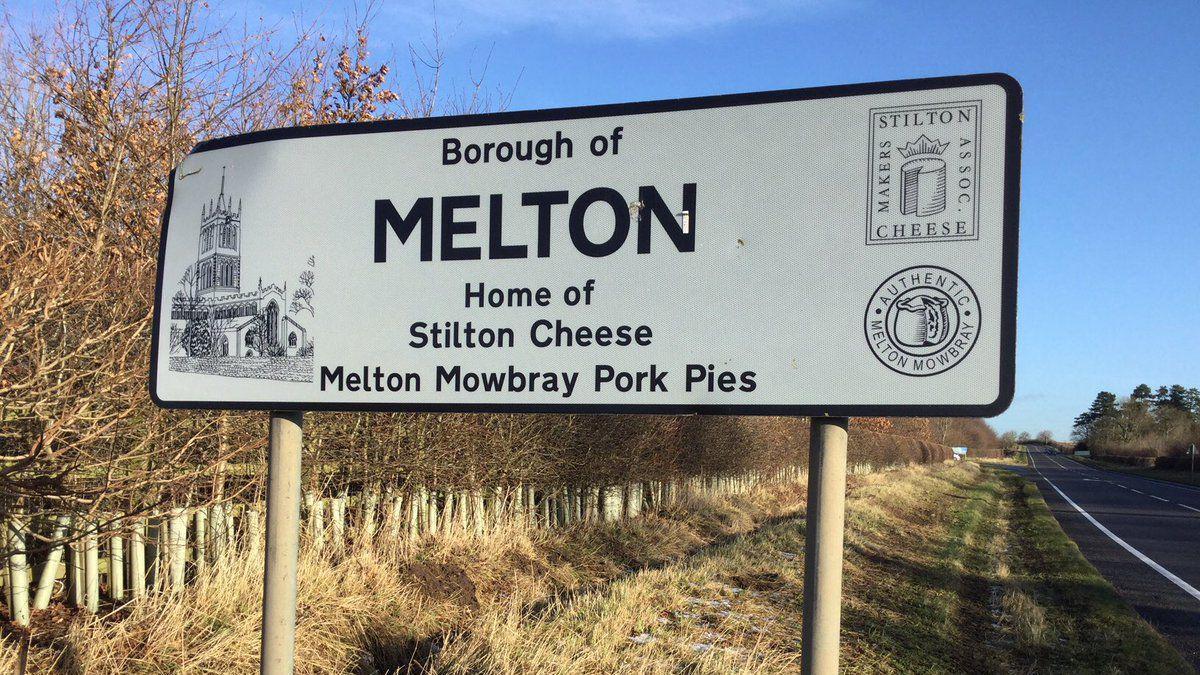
[825, 518]
[283, 544]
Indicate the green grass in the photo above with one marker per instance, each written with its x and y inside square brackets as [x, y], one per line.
[917, 590]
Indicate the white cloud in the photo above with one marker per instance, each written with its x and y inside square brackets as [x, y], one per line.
[584, 19]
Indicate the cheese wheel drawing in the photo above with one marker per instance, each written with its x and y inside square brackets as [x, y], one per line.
[923, 186]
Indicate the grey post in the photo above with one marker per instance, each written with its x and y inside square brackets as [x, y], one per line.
[823, 545]
[283, 544]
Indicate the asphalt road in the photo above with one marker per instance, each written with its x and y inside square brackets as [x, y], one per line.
[1143, 535]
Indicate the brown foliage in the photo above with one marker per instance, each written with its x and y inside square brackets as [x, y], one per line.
[99, 105]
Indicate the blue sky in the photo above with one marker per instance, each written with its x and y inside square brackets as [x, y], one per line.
[1110, 234]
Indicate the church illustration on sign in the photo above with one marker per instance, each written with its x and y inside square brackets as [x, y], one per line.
[217, 328]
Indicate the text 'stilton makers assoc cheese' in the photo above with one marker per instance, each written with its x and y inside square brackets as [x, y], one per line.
[845, 250]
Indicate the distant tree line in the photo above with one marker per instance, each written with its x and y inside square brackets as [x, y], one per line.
[1010, 438]
[1148, 422]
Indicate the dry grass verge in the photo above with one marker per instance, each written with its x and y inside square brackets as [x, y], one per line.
[387, 607]
[949, 569]
[938, 580]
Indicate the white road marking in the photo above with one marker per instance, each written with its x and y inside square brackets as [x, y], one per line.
[1172, 484]
[1080, 468]
[1185, 586]
[1161, 499]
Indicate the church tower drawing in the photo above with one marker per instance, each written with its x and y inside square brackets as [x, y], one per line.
[217, 328]
[219, 261]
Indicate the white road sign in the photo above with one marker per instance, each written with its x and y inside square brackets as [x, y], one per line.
[842, 250]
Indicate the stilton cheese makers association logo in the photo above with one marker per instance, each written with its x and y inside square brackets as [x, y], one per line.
[922, 321]
[924, 173]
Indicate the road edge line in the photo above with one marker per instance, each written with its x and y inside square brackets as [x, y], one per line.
[1183, 585]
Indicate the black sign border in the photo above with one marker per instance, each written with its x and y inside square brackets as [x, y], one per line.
[1008, 282]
